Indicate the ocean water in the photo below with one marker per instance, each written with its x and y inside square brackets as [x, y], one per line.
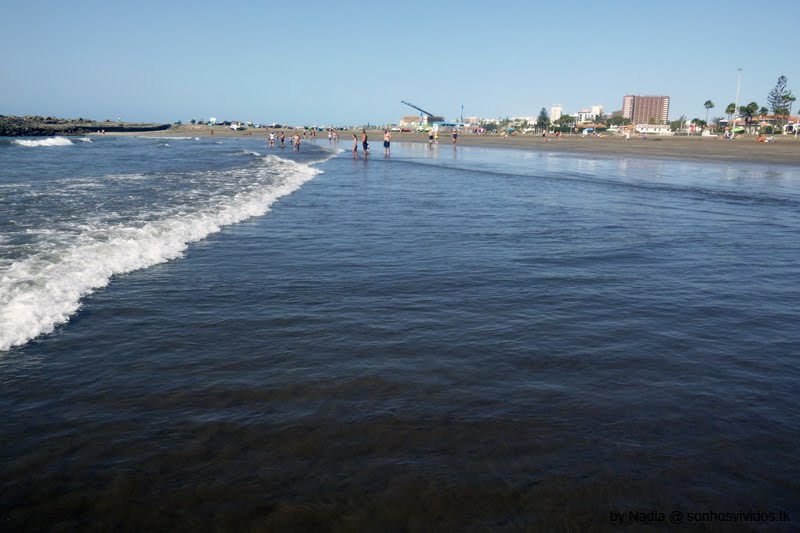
[201, 334]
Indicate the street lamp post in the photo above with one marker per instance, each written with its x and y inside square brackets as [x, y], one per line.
[736, 105]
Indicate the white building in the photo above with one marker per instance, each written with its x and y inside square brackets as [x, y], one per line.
[588, 114]
[555, 112]
[654, 129]
[584, 115]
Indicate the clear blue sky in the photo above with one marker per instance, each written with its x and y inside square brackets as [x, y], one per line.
[333, 62]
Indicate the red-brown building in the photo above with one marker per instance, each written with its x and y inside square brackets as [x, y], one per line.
[646, 109]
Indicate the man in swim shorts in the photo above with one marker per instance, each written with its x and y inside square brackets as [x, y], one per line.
[387, 141]
[364, 143]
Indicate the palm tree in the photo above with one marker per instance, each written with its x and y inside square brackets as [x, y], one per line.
[730, 110]
[708, 105]
[748, 112]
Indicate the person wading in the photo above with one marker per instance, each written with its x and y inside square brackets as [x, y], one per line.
[387, 142]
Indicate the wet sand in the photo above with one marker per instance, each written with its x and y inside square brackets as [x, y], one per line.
[784, 151]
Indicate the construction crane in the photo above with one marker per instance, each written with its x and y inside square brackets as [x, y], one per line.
[417, 108]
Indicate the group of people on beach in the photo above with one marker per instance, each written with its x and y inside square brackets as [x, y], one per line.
[365, 143]
[433, 137]
[387, 144]
[282, 136]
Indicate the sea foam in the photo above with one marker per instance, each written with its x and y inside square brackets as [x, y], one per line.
[43, 291]
[50, 141]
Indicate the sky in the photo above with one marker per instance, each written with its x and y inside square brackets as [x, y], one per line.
[303, 62]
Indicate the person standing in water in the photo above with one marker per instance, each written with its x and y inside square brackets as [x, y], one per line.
[455, 136]
[387, 141]
[296, 142]
[355, 146]
[364, 143]
[283, 140]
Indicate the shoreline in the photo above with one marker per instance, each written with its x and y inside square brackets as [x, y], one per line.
[784, 151]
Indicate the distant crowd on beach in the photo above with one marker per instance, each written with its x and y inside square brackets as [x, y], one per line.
[280, 137]
[361, 139]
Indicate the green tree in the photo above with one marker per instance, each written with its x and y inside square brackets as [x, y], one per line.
[565, 123]
[748, 112]
[192, 122]
[730, 110]
[717, 122]
[619, 121]
[780, 100]
[763, 112]
[565, 120]
[708, 105]
[542, 121]
[677, 125]
[699, 122]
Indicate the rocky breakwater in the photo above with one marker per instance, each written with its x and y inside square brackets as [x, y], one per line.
[34, 126]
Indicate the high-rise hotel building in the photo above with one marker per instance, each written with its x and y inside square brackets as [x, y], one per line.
[646, 109]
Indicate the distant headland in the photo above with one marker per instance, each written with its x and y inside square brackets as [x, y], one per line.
[35, 126]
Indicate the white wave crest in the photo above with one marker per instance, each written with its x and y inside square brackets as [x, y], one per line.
[247, 152]
[50, 141]
[85, 140]
[43, 291]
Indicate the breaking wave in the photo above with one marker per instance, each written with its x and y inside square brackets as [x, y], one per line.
[50, 141]
[44, 290]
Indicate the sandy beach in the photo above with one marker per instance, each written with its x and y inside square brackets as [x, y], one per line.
[784, 151]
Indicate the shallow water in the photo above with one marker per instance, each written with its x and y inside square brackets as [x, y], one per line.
[442, 340]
